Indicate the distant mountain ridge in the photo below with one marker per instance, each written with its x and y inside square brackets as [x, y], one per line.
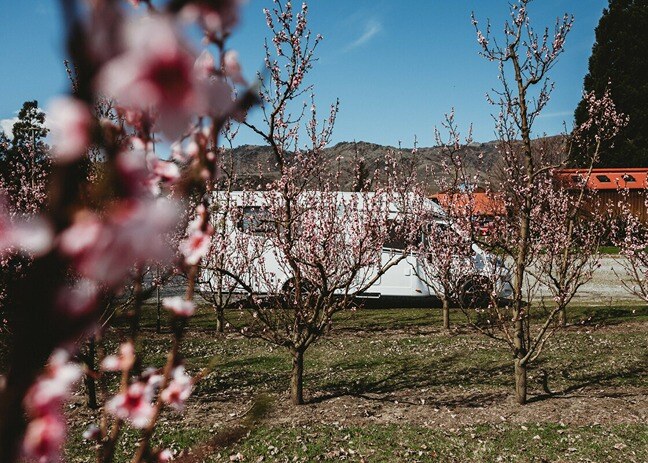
[250, 160]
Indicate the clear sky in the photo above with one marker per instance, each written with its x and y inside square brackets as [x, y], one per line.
[396, 66]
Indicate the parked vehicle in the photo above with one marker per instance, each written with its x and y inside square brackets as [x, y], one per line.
[253, 223]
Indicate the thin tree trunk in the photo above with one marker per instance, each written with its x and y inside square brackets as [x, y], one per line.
[90, 384]
[446, 313]
[220, 320]
[220, 311]
[520, 366]
[520, 382]
[158, 319]
[297, 379]
[562, 317]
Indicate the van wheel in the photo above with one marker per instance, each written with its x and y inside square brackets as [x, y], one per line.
[475, 292]
[289, 289]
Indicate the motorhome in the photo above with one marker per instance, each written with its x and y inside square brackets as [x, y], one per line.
[253, 223]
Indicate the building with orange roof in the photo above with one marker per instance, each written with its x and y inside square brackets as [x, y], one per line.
[614, 186]
[482, 206]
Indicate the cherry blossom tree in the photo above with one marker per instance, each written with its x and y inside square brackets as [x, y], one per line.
[543, 229]
[630, 234]
[447, 263]
[325, 247]
[574, 223]
[524, 58]
[231, 257]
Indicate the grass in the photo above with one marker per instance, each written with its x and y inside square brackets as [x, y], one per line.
[398, 355]
[402, 319]
[482, 443]
[610, 250]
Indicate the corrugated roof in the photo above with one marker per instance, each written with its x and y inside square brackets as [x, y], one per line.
[635, 178]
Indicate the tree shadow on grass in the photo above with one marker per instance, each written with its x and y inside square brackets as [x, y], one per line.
[609, 316]
[249, 374]
[598, 380]
[391, 385]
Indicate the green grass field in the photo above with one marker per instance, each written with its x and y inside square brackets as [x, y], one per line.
[389, 385]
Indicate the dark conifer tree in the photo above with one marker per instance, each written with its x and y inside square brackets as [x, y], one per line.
[619, 59]
[24, 160]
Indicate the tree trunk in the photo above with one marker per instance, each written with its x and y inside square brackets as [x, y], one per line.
[562, 317]
[90, 385]
[297, 379]
[520, 382]
[446, 314]
[220, 320]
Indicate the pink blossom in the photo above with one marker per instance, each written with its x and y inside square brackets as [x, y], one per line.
[133, 405]
[205, 66]
[166, 171]
[153, 378]
[178, 390]
[81, 235]
[71, 123]
[165, 456]
[122, 362]
[79, 299]
[135, 164]
[53, 386]
[233, 67]
[197, 243]
[143, 171]
[45, 432]
[32, 235]
[134, 233]
[195, 247]
[193, 149]
[177, 153]
[44, 439]
[136, 118]
[179, 306]
[92, 433]
[217, 16]
[155, 71]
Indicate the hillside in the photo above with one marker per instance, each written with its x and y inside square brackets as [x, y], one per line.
[256, 164]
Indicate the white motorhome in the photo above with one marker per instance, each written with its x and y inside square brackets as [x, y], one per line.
[400, 280]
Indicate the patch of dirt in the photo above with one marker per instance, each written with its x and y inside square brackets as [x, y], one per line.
[469, 408]
[450, 410]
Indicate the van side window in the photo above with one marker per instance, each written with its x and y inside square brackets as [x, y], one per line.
[255, 220]
[395, 239]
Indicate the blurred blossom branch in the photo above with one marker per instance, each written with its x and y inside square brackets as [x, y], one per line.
[97, 234]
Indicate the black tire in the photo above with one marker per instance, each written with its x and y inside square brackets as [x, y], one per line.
[289, 290]
[475, 292]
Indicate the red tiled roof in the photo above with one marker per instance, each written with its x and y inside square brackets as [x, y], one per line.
[605, 179]
[482, 203]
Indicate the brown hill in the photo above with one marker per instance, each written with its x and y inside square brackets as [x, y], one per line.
[255, 164]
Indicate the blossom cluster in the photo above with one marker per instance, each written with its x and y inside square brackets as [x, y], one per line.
[43, 402]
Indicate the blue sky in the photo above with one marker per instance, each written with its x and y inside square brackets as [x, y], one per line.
[396, 66]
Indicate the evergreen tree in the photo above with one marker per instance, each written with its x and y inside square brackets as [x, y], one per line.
[619, 60]
[5, 146]
[25, 161]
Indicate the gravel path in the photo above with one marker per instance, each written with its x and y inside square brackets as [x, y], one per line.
[606, 287]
